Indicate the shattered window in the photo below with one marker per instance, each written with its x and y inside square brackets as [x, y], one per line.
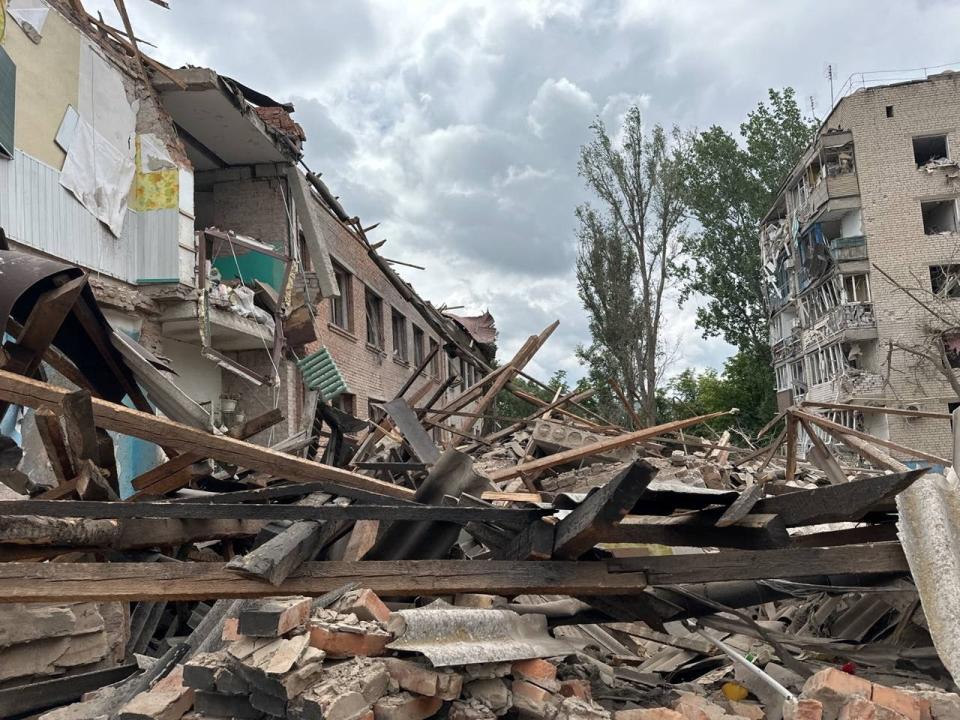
[929, 148]
[398, 324]
[939, 217]
[418, 346]
[945, 280]
[435, 360]
[374, 307]
[341, 308]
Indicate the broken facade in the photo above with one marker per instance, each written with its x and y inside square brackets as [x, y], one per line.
[208, 248]
[876, 189]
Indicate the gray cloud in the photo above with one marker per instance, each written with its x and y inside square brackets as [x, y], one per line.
[457, 125]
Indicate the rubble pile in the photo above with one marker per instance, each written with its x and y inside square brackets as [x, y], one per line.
[556, 566]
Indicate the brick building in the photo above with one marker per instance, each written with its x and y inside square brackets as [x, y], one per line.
[216, 258]
[876, 190]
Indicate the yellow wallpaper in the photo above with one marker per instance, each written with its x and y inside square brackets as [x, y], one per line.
[156, 189]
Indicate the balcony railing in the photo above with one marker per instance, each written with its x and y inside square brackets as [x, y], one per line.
[847, 316]
[846, 249]
[830, 188]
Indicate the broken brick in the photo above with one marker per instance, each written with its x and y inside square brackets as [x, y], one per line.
[492, 692]
[406, 706]
[858, 709]
[532, 699]
[230, 632]
[834, 688]
[534, 669]
[803, 709]
[365, 604]
[340, 643]
[575, 687]
[231, 706]
[422, 680]
[469, 710]
[910, 706]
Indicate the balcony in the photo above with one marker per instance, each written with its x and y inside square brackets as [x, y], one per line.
[849, 249]
[835, 193]
[855, 320]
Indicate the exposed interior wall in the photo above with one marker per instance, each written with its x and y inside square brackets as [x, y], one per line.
[196, 376]
[48, 76]
[850, 225]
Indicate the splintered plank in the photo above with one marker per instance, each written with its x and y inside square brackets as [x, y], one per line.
[595, 517]
[599, 447]
[848, 502]
[124, 420]
[61, 582]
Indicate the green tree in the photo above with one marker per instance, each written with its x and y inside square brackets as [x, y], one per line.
[628, 244]
[729, 186]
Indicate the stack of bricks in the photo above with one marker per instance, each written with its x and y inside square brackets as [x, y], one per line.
[41, 641]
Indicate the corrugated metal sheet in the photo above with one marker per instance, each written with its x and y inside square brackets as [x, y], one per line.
[36, 211]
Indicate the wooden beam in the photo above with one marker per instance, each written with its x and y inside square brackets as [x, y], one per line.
[791, 441]
[822, 457]
[848, 502]
[125, 582]
[600, 446]
[751, 532]
[254, 511]
[121, 419]
[910, 452]
[409, 426]
[595, 517]
[51, 436]
[876, 558]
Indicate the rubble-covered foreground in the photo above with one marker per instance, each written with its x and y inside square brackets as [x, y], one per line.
[303, 662]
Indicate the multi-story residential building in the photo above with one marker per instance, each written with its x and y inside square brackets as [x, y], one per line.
[209, 247]
[860, 252]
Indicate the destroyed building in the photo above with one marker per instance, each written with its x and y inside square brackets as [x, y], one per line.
[860, 255]
[219, 261]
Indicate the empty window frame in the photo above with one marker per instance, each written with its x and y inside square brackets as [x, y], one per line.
[435, 360]
[928, 148]
[939, 216]
[856, 288]
[783, 377]
[398, 324]
[341, 308]
[374, 307]
[889, 111]
[945, 280]
[419, 346]
[452, 369]
[951, 348]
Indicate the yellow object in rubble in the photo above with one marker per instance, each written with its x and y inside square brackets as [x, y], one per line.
[734, 691]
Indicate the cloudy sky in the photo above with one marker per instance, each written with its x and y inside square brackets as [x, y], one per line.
[456, 125]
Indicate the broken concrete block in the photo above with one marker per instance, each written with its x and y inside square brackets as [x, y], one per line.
[943, 705]
[695, 707]
[273, 616]
[572, 708]
[227, 682]
[406, 706]
[659, 713]
[471, 709]
[365, 604]
[368, 677]
[225, 706]
[486, 671]
[24, 623]
[325, 701]
[534, 669]
[834, 688]
[492, 692]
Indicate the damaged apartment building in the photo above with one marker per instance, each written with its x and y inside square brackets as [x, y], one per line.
[861, 256]
[223, 265]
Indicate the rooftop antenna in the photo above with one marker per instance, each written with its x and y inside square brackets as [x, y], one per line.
[828, 74]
